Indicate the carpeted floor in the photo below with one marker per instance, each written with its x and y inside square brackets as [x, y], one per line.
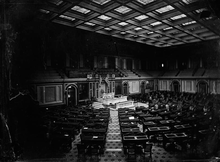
[113, 147]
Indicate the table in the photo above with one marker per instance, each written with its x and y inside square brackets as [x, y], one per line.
[86, 130]
[165, 114]
[155, 118]
[183, 126]
[99, 120]
[130, 130]
[145, 115]
[148, 124]
[152, 130]
[129, 120]
[167, 122]
[134, 139]
[128, 125]
[156, 111]
[93, 139]
[174, 137]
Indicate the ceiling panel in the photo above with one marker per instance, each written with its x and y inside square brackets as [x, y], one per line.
[159, 23]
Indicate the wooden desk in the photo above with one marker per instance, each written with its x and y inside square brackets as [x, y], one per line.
[174, 137]
[156, 118]
[167, 122]
[165, 113]
[152, 130]
[130, 130]
[100, 140]
[129, 120]
[128, 125]
[68, 124]
[183, 126]
[134, 139]
[145, 115]
[86, 130]
[99, 120]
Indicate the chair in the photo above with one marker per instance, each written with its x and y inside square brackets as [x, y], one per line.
[81, 152]
[131, 154]
[139, 150]
[94, 151]
[148, 151]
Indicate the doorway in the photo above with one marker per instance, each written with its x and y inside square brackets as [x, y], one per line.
[125, 88]
[143, 87]
[175, 86]
[202, 87]
[71, 95]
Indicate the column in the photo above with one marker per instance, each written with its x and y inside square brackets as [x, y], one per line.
[105, 62]
[189, 63]
[124, 64]
[200, 63]
[67, 60]
[176, 66]
[133, 64]
[116, 62]
[81, 62]
[95, 62]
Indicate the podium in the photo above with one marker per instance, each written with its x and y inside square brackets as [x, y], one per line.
[109, 98]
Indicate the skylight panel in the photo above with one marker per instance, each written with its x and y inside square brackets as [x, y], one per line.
[101, 2]
[165, 9]
[80, 9]
[59, 2]
[156, 23]
[168, 28]
[144, 2]
[108, 29]
[178, 17]
[89, 23]
[103, 17]
[200, 10]
[189, 1]
[123, 9]
[137, 28]
[67, 17]
[56, 2]
[44, 11]
[123, 23]
[188, 23]
[141, 17]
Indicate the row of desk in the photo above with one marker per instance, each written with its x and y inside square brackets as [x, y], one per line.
[170, 129]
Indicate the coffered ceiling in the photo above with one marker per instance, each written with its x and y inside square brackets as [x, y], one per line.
[159, 23]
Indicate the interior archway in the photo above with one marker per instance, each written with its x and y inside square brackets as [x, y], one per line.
[143, 87]
[71, 95]
[202, 87]
[125, 88]
[175, 86]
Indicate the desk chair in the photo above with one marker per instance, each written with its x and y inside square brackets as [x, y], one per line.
[131, 153]
[148, 152]
[139, 150]
[81, 152]
[94, 152]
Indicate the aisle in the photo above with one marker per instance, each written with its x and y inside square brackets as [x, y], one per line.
[113, 147]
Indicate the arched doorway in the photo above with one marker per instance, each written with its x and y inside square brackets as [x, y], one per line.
[143, 87]
[175, 86]
[202, 87]
[71, 91]
[125, 88]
